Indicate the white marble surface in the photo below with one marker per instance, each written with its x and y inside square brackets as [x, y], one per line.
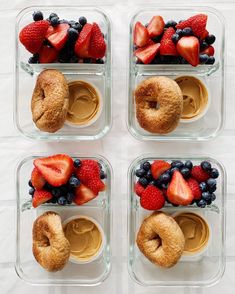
[118, 147]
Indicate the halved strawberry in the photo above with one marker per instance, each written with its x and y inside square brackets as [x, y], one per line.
[194, 186]
[47, 54]
[40, 197]
[97, 47]
[83, 41]
[179, 192]
[146, 54]
[167, 45]
[56, 169]
[58, 35]
[140, 34]
[210, 51]
[83, 194]
[139, 189]
[188, 48]
[158, 167]
[37, 179]
[156, 26]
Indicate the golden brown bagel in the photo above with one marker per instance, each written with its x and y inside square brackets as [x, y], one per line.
[50, 247]
[160, 239]
[159, 104]
[50, 101]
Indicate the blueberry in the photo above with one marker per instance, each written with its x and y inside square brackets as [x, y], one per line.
[73, 59]
[100, 61]
[82, 20]
[102, 175]
[213, 197]
[175, 38]
[203, 58]
[52, 15]
[188, 164]
[157, 39]
[206, 166]
[48, 187]
[214, 173]
[202, 203]
[179, 32]
[211, 60]
[170, 23]
[211, 184]
[140, 172]
[206, 196]
[62, 200]
[185, 172]
[71, 22]
[203, 186]
[72, 34]
[149, 176]
[173, 169]
[70, 197]
[87, 60]
[64, 21]
[34, 58]
[64, 189]
[77, 26]
[203, 45]
[54, 200]
[156, 183]
[74, 182]
[165, 177]
[146, 166]
[187, 32]
[144, 182]
[31, 191]
[54, 21]
[37, 15]
[56, 192]
[164, 185]
[208, 202]
[210, 39]
[30, 184]
[177, 163]
[77, 162]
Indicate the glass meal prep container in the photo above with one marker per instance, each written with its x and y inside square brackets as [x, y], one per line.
[98, 75]
[27, 268]
[212, 76]
[205, 269]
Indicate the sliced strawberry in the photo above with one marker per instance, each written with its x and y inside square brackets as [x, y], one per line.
[47, 54]
[37, 179]
[58, 35]
[167, 45]
[83, 41]
[146, 54]
[194, 186]
[156, 26]
[139, 189]
[56, 169]
[210, 51]
[158, 167]
[179, 192]
[97, 47]
[33, 35]
[152, 198]
[141, 35]
[83, 194]
[199, 174]
[188, 48]
[40, 197]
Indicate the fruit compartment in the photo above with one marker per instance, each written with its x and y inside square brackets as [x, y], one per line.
[26, 267]
[208, 126]
[98, 75]
[205, 269]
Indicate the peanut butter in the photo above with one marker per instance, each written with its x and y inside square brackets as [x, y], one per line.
[196, 231]
[195, 96]
[84, 237]
[84, 103]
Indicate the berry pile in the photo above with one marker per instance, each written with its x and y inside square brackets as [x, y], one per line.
[187, 41]
[59, 179]
[55, 40]
[178, 183]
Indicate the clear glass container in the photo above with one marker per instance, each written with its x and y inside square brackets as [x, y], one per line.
[212, 123]
[205, 269]
[97, 74]
[26, 267]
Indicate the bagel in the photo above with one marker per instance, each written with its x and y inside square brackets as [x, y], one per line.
[160, 239]
[50, 101]
[50, 247]
[159, 104]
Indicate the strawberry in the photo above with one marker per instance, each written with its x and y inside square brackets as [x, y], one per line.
[33, 35]
[97, 45]
[83, 194]
[152, 198]
[83, 41]
[204, 35]
[188, 48]
[47, 54]
[141, 35]
[194, 186]
[179, 192]
[146, 54]
[167, 45]
[156, 26]
[37, 179]
[40, 197]
[158, 167]
[56, 169]
[199, 174]
[139, 189]
[57, 36]
[210, 51]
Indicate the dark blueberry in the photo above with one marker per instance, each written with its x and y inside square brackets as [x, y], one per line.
[70, 197]
[64, 21]
[202, 203]
[157, 183]
[213, 197]
[52, 15]
[56, 192]
[102, 174]
[140, 172]
[173, 169]
[187, 32]
[31, 191]
[87, 60]
[77, 26]
[203, 186]
[164, 185]
[203, 45]
[54, 21]
[34, 59]
[72, 34]
[146, 166]
[157, 39]
[74, 182]
[184, 61]
[214, 173]
[64, 189]
[208, 202]
[179, 32]
[211, 184]
[185, 172]
[100, 61]
[175, 38]
[54, 200]
[71, 22]
[211, 60]
[210, 39]
[77, 162]
[74, 59]
[144, 182]
[206, 196]
[30, 184]
[206, 166]
[203, 58]
[149, 176]
[82, 20]
[48, 187]
[170, 23]
[165, 177]
[193, 201]
[62, 200]
[37, 15]
[177, 163]
[188, 164]
[152, 183]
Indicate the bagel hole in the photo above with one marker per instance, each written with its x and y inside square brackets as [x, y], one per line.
[154, 104]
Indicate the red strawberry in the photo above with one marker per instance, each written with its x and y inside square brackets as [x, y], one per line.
[139, 189]
[156, 26]
[83, 194]
[47, 54]
[32, 36]
[141, 35]
[83, 41]
[97, 45]
[204, 35]
[199, 174]
[210, 51]
[146, 54]
[179, 192]
[56, 169]
[167, 45]
[37, 179]
[158, 167]
[152, 198]
[188, 48]
[58, 35]
[40, 197]
[194, 186]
